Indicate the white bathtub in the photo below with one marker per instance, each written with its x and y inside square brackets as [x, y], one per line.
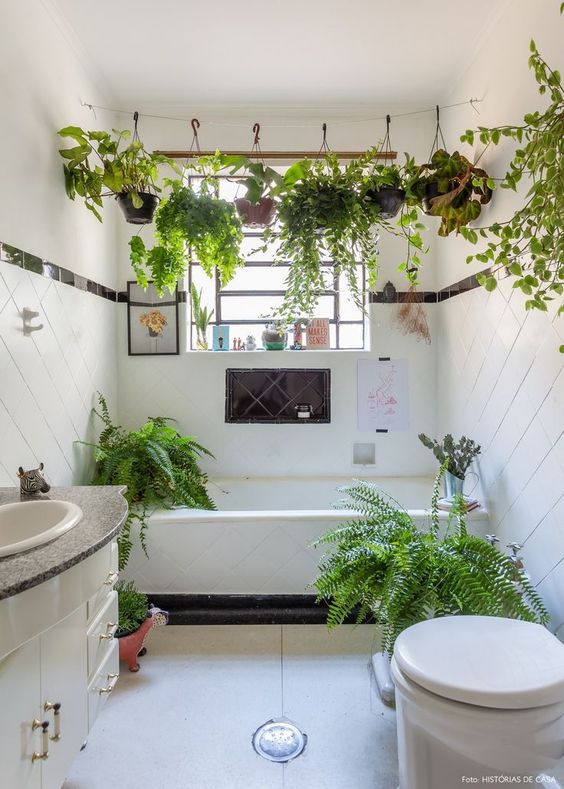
[258, 541]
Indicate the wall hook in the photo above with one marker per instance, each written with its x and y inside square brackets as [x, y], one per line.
[27, 316]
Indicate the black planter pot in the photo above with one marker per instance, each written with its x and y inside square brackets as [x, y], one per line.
[138, 216]
[389, 199]
[259, 215]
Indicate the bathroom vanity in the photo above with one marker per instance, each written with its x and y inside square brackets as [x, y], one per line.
[58, 657]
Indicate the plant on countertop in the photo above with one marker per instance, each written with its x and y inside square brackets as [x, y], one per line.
[323, 217]
[198, 220]
[530, 245]
[451, 187]
[455, 457]
[389, 569]
[201, 317]
[99, 166]
[158, 465]
[133, 607]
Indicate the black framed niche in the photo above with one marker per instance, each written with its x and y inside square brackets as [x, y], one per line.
[152, 321]
[278, 396]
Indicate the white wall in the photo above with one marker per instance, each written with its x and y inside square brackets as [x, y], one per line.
[500, 375]
[48, 381]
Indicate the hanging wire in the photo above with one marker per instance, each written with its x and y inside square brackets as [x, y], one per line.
[135, 131]
[256, 150]
[324, 147]
[195, 124]
[438, 134]
[349, 122]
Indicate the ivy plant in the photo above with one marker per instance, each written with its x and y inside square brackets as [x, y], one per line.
[102, 164]
[323, 217]
[385, 568]
[158, 466]
[198, 221]
[529, 246]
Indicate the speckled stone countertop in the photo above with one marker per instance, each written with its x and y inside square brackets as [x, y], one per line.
[103, 512]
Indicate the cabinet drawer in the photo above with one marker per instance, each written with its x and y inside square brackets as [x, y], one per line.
[101, 632]
[103, 683]
[107, 581]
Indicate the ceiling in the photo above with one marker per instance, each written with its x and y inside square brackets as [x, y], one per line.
[276, 52]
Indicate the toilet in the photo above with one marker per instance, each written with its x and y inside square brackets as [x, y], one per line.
[480, 700]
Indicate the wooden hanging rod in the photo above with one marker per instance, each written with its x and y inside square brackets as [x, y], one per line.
[387, 155]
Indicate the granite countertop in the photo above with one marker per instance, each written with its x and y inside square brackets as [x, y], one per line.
[104, 510]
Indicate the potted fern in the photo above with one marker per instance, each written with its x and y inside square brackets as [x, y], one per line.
[195, 220]
[383, 567]
[158, 466]
[100, 165]
[136, 620]
[201, 317]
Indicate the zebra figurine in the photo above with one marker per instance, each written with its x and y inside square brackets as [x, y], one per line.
[33, 481]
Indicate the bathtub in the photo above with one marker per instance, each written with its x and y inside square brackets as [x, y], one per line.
[258, 541]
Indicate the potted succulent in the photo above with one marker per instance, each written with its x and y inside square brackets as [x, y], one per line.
[201, 317]
[456, 457]
[257, 209]
[136, 619]
[383, 567]
[198, 220]
[323, 216]
[451, 187]
[99, 165]
[275, 336]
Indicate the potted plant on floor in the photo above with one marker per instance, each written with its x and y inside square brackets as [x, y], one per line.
[136, 619]
[195, 220]
[99, 165]
[382, 566]
[323, 217]
[257, 209]
[456, 458]
[201, 317]
[158, 465]
[451, 187]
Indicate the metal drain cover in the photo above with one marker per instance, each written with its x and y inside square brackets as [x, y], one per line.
[279, 740]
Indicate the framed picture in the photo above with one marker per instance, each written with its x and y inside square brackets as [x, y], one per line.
[317, 334]
[152, 321]
[221, 338]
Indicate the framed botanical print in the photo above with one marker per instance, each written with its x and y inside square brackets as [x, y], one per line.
[152, 321]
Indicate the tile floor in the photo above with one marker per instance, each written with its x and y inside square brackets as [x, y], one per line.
[185, 721]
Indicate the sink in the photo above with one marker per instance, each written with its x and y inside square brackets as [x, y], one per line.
[27, 524]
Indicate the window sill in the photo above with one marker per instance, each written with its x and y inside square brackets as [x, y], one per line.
[287, 352]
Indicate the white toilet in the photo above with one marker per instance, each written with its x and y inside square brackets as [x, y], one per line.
[478, 698]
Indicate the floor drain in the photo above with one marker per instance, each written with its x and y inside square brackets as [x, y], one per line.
[279, 740]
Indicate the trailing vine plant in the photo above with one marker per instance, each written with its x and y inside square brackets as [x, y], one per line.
[529, 247]
[158, 466]
[382, 566]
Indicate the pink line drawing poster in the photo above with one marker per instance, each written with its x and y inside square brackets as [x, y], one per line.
[383, 395]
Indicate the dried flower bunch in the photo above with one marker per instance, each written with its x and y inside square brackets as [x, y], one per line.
[154, 320]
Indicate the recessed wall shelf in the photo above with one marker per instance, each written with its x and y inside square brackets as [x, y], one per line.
[272, 395]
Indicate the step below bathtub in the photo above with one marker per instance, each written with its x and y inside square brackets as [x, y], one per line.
[258, 541]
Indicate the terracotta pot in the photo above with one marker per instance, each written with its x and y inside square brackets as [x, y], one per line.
[138, 216]
[132, 644]
[259, 215]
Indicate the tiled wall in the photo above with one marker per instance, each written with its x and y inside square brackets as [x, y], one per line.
[49, 379]
[501, 381]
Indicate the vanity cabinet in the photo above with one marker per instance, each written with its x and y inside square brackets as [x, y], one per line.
[61, 675]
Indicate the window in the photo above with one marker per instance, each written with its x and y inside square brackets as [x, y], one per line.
[255, 291]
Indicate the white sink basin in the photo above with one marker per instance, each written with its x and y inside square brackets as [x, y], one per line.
[27, 524]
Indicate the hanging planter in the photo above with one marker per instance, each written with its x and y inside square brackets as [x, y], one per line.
[138, 214]
[383, 185]
[257, 209]
[99, 166]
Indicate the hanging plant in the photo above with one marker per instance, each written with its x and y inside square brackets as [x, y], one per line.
[188, 220]
[530, 245]
[451, 187]
[258, 208]
[324, 222]
[99, 166]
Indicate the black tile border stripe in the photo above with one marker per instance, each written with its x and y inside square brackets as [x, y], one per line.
[25, 260]
[253, 609]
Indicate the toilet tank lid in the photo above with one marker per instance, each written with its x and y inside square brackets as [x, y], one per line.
[485, 661]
